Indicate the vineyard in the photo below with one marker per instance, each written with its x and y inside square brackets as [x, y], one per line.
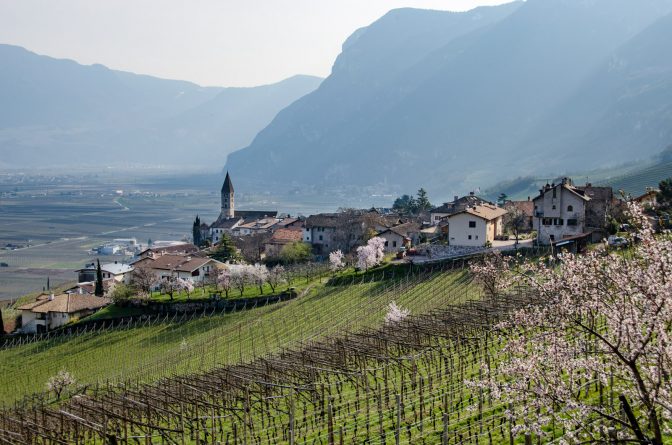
[326, 368]
[400, 383]
[153, 350]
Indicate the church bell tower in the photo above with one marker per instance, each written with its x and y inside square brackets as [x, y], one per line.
[228, 209]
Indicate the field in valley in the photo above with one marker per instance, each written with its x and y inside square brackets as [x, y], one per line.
[55, 222]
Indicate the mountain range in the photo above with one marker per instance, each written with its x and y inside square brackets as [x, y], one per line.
[58, 112]
[451, 101]
[442, 100]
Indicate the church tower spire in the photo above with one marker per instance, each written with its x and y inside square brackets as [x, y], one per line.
[228, 207]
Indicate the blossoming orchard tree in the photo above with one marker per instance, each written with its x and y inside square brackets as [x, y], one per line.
[169, 286]
[224, 281]
[336, 260]
[594, 356]
[372, 254]
[395, 313]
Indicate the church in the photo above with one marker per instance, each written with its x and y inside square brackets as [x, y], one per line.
[229, 218]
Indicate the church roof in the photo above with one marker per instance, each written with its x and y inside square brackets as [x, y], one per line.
[227, 187]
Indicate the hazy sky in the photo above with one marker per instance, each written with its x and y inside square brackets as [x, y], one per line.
[210, 42]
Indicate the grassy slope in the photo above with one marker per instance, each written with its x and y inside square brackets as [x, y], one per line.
[152, 352]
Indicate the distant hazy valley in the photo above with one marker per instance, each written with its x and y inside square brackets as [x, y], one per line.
[60, 113]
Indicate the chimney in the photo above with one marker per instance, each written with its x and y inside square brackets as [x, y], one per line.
[529, 199]
[456, 198]
[51, 297]
[471, 193]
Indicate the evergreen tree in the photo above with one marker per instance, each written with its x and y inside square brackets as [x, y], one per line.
[501, 200]
[48, 284]
[401, 203]
[196, 231]
[422, 202]
[664, 196]
[99, 290]
[225, 250]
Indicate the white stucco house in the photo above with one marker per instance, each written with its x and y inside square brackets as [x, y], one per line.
[560, 212]
[49, 312]
[117, 271]
[475, 226]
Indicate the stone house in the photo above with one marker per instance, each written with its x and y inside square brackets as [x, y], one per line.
[560, 212]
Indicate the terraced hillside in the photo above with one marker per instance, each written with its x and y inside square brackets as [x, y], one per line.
[146, 354]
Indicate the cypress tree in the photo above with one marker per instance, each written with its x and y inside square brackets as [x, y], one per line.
[196, 231]
[99, 281]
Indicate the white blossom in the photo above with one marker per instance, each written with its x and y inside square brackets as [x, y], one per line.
[395, 313]
[336, 260]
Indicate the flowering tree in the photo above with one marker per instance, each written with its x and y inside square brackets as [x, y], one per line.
[492, 273]
[596, 352]
[171, 285]
[143, 279]
[186, 285]
[225, 282]
[395, 313]
[372, 254]
[276, 276]
[240, 278]
[258, 274]
[59, 382]
[336, 260]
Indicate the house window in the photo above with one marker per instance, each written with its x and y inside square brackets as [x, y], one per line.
[547, 221]
[552, 237]
[472, 224]
[469, 236]
[572, 222]
[558, 222]
[387, 243]
[476, 236]
[553, 207]
[570, 208]
[554, 193]
[394, 244]
[320, 237]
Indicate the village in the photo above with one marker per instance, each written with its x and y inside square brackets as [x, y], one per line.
[249, 248]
